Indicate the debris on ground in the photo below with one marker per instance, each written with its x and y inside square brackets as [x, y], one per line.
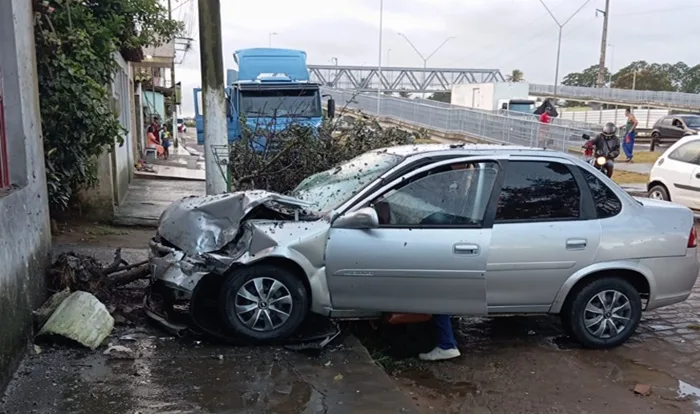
[76, 272]
[119, 352]
[43, 314]
[642, 389]
[142, 165]
[82, 318]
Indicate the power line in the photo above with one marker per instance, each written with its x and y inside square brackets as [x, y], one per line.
[656, 11]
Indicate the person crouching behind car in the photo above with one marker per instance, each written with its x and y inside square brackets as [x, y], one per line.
[446, 347]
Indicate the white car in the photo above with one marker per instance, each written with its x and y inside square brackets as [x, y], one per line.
[675, 175]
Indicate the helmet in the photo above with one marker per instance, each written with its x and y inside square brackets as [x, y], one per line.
[609, 129]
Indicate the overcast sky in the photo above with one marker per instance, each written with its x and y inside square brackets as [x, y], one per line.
[502, 34]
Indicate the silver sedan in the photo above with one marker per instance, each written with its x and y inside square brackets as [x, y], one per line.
[436, 229]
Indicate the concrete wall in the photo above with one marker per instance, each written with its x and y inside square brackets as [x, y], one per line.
[25, 235]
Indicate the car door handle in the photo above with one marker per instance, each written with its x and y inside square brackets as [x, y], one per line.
[466, 249]
[576, 244]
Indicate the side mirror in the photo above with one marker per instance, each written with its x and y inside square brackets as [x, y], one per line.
[364, 218]
[331, 108]
[504, 105]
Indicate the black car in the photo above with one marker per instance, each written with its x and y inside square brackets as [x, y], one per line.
[674, 127]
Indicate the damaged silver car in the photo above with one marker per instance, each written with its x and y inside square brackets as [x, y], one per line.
[437, 229]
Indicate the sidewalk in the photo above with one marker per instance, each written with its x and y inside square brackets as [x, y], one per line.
[147, 197]
[172, 172]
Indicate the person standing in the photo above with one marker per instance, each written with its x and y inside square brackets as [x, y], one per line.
[545, 119]
[630, 135]
[446, 343]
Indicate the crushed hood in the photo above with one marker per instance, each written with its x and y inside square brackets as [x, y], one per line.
[203, 224]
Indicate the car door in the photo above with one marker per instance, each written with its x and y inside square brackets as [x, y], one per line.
[542, 234]
[665, 128]
[677, 129]
[429, 252]
[680, 170]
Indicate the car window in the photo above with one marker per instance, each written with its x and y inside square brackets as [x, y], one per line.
[677, 123]
[449, 195]
[607, 204]
[666, 121]
[536, 190]
[688, 152]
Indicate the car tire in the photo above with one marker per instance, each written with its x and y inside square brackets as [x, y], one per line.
[628, 305]
[239, 292]
[659, 192]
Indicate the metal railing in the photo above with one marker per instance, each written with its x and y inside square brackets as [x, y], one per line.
[482, 125]
[678, 100]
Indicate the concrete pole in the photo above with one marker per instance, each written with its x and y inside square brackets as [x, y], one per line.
[172, 83]
[379, 72]
[603, 45]
[213, 87]
[556, 71]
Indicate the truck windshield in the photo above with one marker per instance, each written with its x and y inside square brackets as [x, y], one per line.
[331, 188]
[284, 103]
[522, 107]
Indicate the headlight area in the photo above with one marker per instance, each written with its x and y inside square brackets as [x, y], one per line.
[176, 276]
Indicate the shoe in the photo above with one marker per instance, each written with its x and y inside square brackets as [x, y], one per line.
[439, 354]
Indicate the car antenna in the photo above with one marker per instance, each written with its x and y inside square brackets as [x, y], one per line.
[457, 145]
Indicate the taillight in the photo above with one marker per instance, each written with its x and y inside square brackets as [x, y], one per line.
[693, 238]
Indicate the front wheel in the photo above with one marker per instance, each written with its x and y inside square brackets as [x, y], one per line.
[263, 303]
[604, 313]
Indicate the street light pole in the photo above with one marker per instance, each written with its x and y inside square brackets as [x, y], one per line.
[561, 27]
[612, 61]
[379, 84]
[269, 38]
[425, 59]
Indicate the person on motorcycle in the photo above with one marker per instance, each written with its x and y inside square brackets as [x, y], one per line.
[607, 145]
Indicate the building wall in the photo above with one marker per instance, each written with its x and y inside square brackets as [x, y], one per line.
[123, 153]
[25, 235]
[155, 102]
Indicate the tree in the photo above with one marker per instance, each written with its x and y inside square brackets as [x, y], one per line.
[587, 78]
[645, 76]
[75, 47]
[515, 76]
[404, 94]
[691, 81]
[441, 97]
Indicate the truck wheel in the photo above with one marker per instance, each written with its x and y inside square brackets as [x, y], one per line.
[263, 303]
[604, 313]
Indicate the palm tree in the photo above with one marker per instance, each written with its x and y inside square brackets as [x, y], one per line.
[515, 76]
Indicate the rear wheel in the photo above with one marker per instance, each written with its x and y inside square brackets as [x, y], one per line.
[604, 313]
[659, 192]
[263, 303]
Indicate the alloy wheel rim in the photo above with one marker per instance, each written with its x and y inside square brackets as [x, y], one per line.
[263, 304]
[607, 314]
[656, 195]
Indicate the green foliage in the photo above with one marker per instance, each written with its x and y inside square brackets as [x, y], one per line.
[297, 152]
[75, 47]
[441, 97]
[516, 76]
[641, 75]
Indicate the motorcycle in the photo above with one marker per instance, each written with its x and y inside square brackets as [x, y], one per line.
[595, 157]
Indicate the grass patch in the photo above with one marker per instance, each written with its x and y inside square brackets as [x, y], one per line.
[645, 157]
[629, 177]
[105, 231]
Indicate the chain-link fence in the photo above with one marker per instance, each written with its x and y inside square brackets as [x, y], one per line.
[483, 125]
[628, 96]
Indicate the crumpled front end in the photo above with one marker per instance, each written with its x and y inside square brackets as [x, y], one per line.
[201, 238]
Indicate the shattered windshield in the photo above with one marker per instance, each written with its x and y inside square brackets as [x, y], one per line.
[328, 189]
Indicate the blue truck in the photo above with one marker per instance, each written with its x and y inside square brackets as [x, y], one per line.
[272, 90]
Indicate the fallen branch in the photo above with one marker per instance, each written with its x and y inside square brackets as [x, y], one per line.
[126, 277]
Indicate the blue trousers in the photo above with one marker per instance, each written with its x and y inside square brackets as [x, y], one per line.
[628, 144]
[445, 335]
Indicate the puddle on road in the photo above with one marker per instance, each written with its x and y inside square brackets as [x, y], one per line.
[686, 390]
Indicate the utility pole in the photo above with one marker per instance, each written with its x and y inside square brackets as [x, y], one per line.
[213, 99]
[425, 59]
[173, 124]
[603, 44]
[379, 66]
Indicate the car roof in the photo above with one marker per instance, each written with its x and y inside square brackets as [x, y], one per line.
[465, 149]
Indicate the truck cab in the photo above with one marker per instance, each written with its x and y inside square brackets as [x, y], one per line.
[272, 92]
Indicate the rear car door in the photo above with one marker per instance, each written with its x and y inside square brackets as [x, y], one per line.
[429, 252]
[680, 170]
[543, 232]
